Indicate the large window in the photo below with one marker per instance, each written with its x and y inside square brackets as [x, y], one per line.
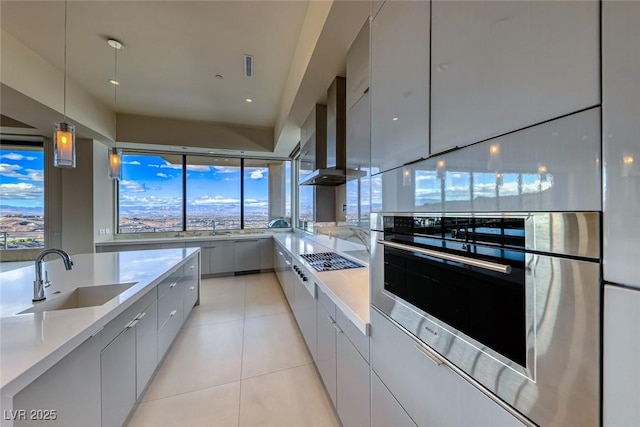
[197, 193]
[306, 196]
[21, 196]
[150, 193]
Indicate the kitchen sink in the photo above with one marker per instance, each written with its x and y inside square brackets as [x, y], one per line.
[84, 296]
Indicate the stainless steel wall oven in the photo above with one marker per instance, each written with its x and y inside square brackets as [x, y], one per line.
[512, 300]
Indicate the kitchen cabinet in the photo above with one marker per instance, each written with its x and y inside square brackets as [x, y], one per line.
[621, 127]
[385, 409]
[118, 373]
[400, 84]
[358, 66]
[358, 159]
[222, 259]
[189, 284]
[326, 353]
[497, 67]
[75, 378]
[353, 389]
[173, 245]
[266, 254]
[431, 394]
[621, 382]
[304, 310]
[246, 255]
[205, 258]
[146, 331]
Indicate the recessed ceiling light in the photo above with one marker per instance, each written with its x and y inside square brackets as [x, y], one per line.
[249, 100]
[395, 119]
[226, 160]
[211, 152]
[114, 82]
[219, 76]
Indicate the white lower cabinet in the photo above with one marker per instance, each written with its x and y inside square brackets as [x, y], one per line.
[146, 347]
[222, 257]
[621, 384]
[304, 309]
[352, 384]
[432, 395]
[385, 409]
[118, 372]
[326, 354]
[246, 255]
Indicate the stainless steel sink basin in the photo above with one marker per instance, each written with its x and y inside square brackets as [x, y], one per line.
[85, 296]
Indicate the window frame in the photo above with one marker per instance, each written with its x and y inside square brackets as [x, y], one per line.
[184, 187]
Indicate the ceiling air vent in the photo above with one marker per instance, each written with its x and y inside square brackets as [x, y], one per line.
[248, 65]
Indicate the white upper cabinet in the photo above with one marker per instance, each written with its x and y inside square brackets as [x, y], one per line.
[621, 144]
[358, 66]
[400, 84]
[500, 66]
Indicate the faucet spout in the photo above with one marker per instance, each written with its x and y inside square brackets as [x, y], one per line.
[39, 284]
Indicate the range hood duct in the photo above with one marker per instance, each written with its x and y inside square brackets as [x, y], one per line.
[331, 152]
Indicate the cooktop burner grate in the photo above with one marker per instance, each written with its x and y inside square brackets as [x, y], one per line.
[329, 261]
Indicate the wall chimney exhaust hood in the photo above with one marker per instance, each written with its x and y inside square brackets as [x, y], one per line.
[330, 150]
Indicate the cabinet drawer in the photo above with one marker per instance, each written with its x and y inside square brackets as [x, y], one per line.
[431, 394]
[357, 338]
[169, 301]
[385, 409]
[174, 277]
[191, 292]
[169, 330]
[326, 302]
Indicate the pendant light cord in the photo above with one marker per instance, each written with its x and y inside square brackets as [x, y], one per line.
[64, 95]
[115, 99]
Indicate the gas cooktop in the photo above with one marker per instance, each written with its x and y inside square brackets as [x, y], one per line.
[329, 261]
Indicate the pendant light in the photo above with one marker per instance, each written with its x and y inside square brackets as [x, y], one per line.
[115, 154]
[64, 135]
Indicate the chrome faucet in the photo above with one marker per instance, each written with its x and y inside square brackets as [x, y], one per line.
[39, 284]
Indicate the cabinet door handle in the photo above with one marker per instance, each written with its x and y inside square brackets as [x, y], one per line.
[331, 319]
[141, 315]
[173, 285]
[173, 313]
[192, 288]
[335, 325]
[430, 355]
[132, 324]
[192, 267]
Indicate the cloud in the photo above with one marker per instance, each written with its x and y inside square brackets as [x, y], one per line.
[132, 186]
[194, 168]
[10, 171]
[16, 156]
[21, 190]
[134, 163]
[217, 200]
[258, 173]
[162, 175]
[35, 175]
[226, 169]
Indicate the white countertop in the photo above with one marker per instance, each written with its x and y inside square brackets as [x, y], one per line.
[348, 289]
[32, 343]
[187, 239]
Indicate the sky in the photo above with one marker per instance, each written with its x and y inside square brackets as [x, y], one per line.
[22, 179]
[152, 182]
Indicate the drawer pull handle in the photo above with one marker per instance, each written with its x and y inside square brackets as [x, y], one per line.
[173, 285]
[132, 324]
[331, 319]
[430, 355]
[335, 325]
[192, 288]
[173, 313]
[140, 316]
[192, 267]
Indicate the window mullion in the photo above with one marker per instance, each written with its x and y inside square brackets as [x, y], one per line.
[184, 192]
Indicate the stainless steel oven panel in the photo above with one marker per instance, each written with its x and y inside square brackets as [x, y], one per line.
[564, 233]
[560, 384]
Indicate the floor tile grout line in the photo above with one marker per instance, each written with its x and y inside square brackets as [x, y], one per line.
[190, 391]
[276, 371]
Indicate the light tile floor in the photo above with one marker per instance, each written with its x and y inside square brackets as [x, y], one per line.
[239, 361]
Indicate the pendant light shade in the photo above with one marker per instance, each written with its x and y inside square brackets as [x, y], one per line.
[115, 163]
[64, 146]
[64, 135]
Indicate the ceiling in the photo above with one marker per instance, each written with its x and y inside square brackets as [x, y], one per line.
[173, 50]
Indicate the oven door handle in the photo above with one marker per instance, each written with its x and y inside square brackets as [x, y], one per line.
[487, 265]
